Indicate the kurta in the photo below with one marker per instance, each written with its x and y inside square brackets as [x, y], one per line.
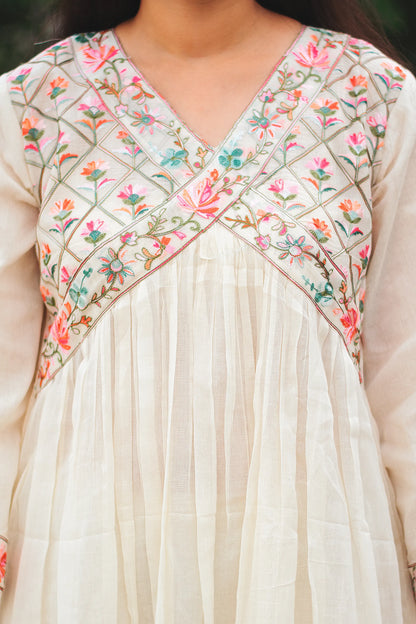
[208, 408]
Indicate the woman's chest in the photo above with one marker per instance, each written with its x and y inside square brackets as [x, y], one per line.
[126, 186]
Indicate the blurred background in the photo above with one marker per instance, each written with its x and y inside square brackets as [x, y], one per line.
[25, 28]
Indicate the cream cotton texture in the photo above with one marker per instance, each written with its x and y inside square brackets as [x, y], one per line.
[208, 454]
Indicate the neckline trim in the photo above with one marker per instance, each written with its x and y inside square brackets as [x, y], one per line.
[178, 118]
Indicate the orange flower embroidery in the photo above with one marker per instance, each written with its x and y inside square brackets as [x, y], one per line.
[30, 123]
[59, 330]
[357, 81]
[322, 227]
[200, 199]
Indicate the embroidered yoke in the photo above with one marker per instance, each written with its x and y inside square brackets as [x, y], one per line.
[221, 426]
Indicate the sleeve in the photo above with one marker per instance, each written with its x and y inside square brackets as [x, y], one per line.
[21, 306]
[389, 324]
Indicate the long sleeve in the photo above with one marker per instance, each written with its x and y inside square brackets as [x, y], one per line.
[21, 307]
[389, 329]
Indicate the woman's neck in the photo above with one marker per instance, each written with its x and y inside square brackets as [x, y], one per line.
[196, 29]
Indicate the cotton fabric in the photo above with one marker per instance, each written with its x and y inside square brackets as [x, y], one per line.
[208, 408]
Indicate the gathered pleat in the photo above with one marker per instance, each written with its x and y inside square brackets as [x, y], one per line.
[207, 456]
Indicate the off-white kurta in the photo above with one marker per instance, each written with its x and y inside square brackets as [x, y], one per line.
[208, 410]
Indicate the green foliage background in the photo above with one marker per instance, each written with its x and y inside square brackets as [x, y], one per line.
[25, 26]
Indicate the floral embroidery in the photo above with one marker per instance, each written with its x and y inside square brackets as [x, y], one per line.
[126, 185]
[94, 111]
[295, 249]
[173, 158]
[312, 57]
[59, 330]
[325, 110]
[146, 120]
[284, 193]
[133, 197]
[231, 159]
[97, 58]
[201, 199]
[33, 130]
[412, 570]
[357, 90]
[62, 214]
[264, 123]
[3, 560]
[352, 213]
[321, 171]
[320, 230]
[377, 125]
[94, 231]
[57, 86]
[113, 266]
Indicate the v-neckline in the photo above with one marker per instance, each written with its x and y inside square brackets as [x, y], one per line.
[115, 41]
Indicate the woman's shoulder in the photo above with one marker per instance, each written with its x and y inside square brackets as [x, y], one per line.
[359, 73]
[352, 53]
[47, 79]
[19, 85]
[58, 53]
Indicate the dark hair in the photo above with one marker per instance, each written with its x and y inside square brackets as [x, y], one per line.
[355, 17]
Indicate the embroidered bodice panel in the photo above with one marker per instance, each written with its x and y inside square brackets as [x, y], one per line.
[124, 185]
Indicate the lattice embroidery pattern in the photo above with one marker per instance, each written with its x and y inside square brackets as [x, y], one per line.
[124, 185]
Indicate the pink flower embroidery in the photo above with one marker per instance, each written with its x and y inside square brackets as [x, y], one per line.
[377, 123]
[284, 189]
[129, 238]
[321, 166]
[267, 96]
[350, 322]
[92, 104]
[263, 241]
[59, 331]
[65, 275]
[201, 199]
[96, 58]
[91, 226]
[312, 57]
[133, 193]
[356, 140]
[94, 231]
[180, 235]
[295, 249]
[3, 561]
[64, 138]
[377, 120]
[365, 251]
[295, 96]
[163, 247]
[17, 78]
[121, 110]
